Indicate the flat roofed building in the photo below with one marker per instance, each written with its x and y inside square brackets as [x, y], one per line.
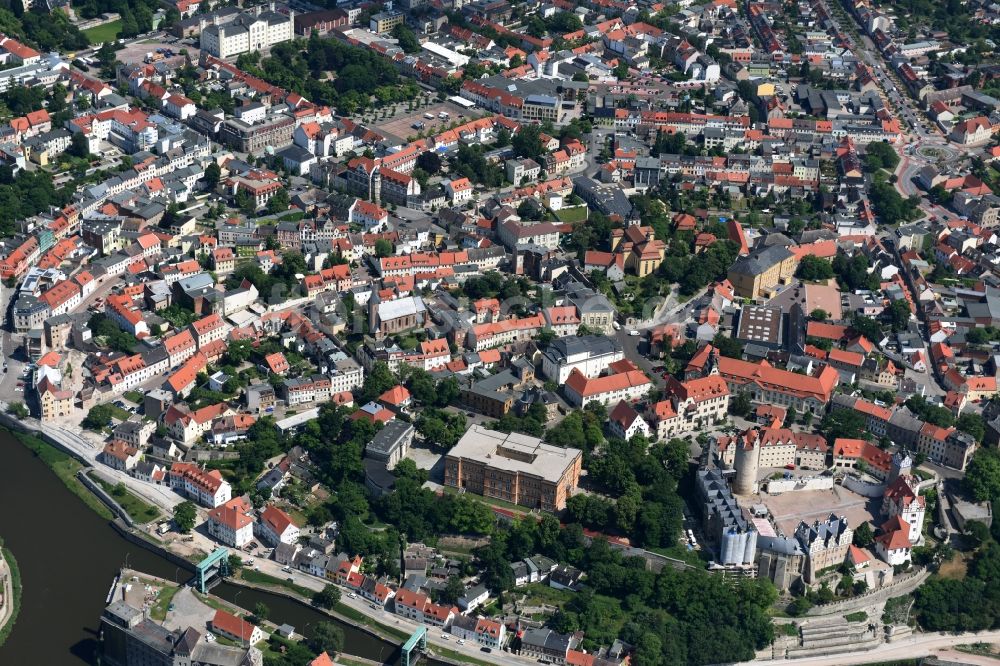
[760, 325]
[513, 467]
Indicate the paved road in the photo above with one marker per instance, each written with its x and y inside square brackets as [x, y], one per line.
[161, 496]
[434, 635]
[919, 645]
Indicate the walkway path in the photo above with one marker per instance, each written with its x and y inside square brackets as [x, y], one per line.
[7, 602]
[918, 645]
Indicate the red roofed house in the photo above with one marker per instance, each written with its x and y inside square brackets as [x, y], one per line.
[231, 523]
[396, 398]
[120, 455]
[275, 526]
[690, 405]
[626, 423]
[628, 384]
[323, 660]
[236, 629]
[276, 363]
[893, 544]
[207, 488]
[847, 453]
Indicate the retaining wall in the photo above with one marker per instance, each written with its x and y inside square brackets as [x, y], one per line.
[804, 483]
[902, 585]
[102, 495]
[173, 558]
[864, 488]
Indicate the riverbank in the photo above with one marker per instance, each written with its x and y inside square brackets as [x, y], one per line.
[65, 466]
[11, 594]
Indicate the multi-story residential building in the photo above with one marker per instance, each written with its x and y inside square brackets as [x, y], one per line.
[120, 456]
[247, 32]
[207, 488]
[384, 22]
[547, 645]
[54, 401]
[209, 329]
[514, 232]
[29, 312]
[590, 354]
[503, 332]
[489, 633]
[276, 130]
[298, 390]
[232, 523]
[860, 454]
[626, 382]
[690, 405]
[513, 467]
[275, 526]
[180, 347]
[418, 607]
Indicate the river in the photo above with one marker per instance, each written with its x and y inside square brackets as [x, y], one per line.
[68, 556]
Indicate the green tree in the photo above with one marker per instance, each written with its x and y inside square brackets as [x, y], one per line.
[863, 535]
[406, 38]
[843, 423]
[79, 146]
[98, 417]
[279, 203]
[982, 476]
[819, 314]
[814, 268]
[453, 589]
[326, 637]
[741, 404]
[972, 424]
[327, 598]
[185, 515]
[383, 248]
[260, 612]
[213, 174]
[18, 410]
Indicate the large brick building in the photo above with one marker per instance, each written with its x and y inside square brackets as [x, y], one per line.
[514, 468]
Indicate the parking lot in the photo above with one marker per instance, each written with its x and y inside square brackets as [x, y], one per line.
[403, 124]
[136, 53]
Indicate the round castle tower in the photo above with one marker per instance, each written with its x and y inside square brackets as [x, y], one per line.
[747, 463]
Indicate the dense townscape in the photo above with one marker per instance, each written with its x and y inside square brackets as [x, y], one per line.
[585, 333]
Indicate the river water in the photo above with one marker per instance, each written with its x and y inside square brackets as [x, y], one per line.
[69, 556]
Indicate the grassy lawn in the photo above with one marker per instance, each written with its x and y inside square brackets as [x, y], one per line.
[65, 467]
[489, 500]
[955, 568]
[103, 33]
[15, 586]
[260, 578]
[118, 413]
[134, 396]
[786, 629]
[541, 593]
[139, 510]
[692, 557]
[577, 214]
[159, 610]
